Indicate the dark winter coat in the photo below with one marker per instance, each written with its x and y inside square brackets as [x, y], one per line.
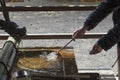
[105, 8]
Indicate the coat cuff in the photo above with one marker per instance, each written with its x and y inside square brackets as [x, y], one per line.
[105, 43]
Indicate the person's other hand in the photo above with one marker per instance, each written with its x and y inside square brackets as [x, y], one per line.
[80, 32]
[96, 49]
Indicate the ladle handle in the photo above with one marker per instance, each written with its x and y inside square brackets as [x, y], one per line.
[65, 45]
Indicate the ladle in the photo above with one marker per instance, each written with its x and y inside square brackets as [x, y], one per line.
[53, 56]
[65, 46]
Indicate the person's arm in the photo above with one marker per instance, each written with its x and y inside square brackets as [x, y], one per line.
[111, 38]
[108, 40]
[103, 10]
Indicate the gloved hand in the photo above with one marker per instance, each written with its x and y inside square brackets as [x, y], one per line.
[80, 32]
[96, 49]
[12, 29]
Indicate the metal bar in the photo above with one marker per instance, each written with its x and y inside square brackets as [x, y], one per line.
[55, 36]
[50, 8]
[70, 77]
[7, 57]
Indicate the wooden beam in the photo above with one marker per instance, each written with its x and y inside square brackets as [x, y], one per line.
[50, 8]
[55, 36]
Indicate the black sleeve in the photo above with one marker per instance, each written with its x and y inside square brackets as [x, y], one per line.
[111, 38]
[7, 25]
[100, 13]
